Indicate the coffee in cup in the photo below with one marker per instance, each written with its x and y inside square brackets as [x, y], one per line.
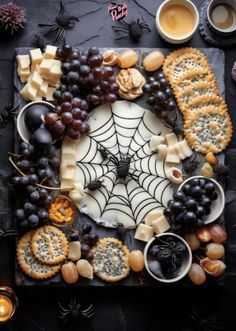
[177, 20]
[221, 15]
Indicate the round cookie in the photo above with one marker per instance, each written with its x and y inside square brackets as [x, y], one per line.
[29, 264]
[110, 261]
[208, 131]
[49, 245]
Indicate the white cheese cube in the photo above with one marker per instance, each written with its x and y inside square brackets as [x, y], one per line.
[67, 183]
[45, 66]
[155, 141]
[49, 95]
[36, 55]
[172, 156]
[23, 61]
[36, 80]
[42, 91]
[68, 147]
[75, 196]
[185, 149]
[179, 152]
[153, 216]
[35, 67]
[23, 73]
[160, 225]
[52, 83]
[69, 172]
[55, 72]
[144, 232]
[28, 92]
[38, 98]
[161, 152]
[171, 139]
[50, 52]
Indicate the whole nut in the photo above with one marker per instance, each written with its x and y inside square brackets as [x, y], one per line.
[153, 61]
[69, 273]
[110, 58]
[127, 59]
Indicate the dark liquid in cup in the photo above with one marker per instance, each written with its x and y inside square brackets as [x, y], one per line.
[223, 16]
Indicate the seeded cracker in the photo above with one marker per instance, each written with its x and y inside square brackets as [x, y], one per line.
[49, 245]
[110, 261]
[187, 93]
[31, 266]
[174, 55]
[185, 64]
[208, 131]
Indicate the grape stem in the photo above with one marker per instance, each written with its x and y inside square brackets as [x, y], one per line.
[40, 185]
[16, 155]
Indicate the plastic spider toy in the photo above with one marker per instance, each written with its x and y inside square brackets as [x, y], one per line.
[73, 312]
[7, 114]
[221, 172]
[40, 41]
[8, 233]
[62, 23]
[134, 29]
[122, 232]
[94, 185]
[174, 126]
[200, 323]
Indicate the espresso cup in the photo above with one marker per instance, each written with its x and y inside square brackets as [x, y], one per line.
[212, 4]
[169, 37]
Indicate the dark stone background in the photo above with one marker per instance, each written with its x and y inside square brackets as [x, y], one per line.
[116, 308]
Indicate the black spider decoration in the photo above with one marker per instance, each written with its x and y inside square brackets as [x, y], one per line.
[168, 253]
[134, 29]
[75, 312]
[221, 172]
[94, 185]
[200, 323]
[122, 232]
[7, 233]
[40, 41]
[62, 23]
[7, 114]
[174, 126]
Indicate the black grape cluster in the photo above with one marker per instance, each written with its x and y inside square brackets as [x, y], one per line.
[88, 239]
[84, 83]
[39, 167]
[160, 96]
[191, 205]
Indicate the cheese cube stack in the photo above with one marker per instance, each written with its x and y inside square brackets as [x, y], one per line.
[68, 163]
[155, 223]
[169, 149]
[41, 72]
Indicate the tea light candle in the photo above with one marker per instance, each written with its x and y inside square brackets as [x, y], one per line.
[8, 304]
[6, 308]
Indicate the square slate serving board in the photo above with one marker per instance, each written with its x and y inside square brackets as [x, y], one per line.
[216, 59]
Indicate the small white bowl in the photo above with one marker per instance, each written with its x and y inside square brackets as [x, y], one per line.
[186, 263]
[217, 206]
[20, 123]
[168, 37]
[210, 7]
